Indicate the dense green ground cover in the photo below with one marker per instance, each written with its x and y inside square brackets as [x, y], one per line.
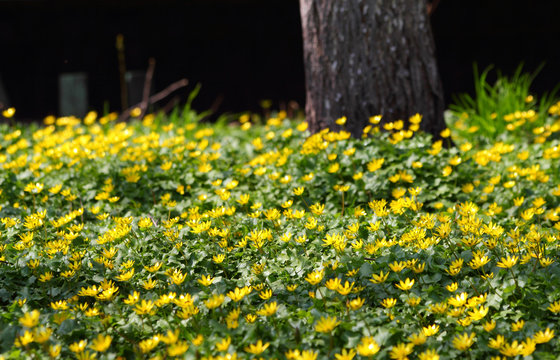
[169, 237]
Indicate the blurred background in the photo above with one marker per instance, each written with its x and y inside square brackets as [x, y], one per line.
[60, 56]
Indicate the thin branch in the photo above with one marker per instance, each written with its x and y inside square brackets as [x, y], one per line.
[170, 105]
[156, 97]
[122, 70]
[147, 85]
[168, 90]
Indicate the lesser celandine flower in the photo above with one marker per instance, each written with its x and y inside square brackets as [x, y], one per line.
[30, 319]
[401, 351]
[268, 309]
[206, 280]
[257, 348]
[518, 325]
[345, 354]
[430, 330]
[78, 346]
[355, 304]
[429, 354]
[405, 285]
[388, 303]
[555, 307]
[379, 278]
[101, 343]
[315, 277]
[367, 347]
[508, 262]
[463, 341]
[545, 336]
[9, 112]
[326, 324]
[223, 344]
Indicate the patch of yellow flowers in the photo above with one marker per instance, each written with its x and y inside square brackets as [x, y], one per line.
[181, 240]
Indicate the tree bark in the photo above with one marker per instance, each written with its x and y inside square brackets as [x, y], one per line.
[369, 57]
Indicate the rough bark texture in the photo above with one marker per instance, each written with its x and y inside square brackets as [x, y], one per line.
[368, 57]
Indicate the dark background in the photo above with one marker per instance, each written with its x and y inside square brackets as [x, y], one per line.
[241, 51]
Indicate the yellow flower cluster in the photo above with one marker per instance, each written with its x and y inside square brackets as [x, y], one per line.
[183, 240]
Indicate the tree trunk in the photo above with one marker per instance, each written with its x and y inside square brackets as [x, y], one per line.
[369, 57]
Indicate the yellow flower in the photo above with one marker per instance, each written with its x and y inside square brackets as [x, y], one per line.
[430, 329]
[178, 348]
[101, 343]
[464, 341]
[145, 223]
[405, 285]
[375, 164]
[496, 343]
[59, 305]
[125, 276]
[315, 277]
[238, 294]
[292, 287]
[268, 309]
[489, 325]
[257, 349]
[78, 347]
[355, 304]
[367, 347]
[198, 340]
[205, 280]
[43, 335]
[528, 347]
[149, 344]
[389, 303]
[345, 290]
[25, 339]
[378, 279]
[177, 277]
[516, 326]
[479, 313]
[223, 344]
[511, 350]
[429, 354]
[401, 351]
[149, 284]
[30, 319]
[341, 121]
[265, 294]
[218, 259]
[417, 338]
[326, 324]
[345, 354]
[459, 300]
[413, 301]
[452, 287]
[145, 307]
[9, 112]
[54, 351]
[508, 262]
[132, 298]
[397, 266]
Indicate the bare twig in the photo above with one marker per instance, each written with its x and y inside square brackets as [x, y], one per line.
[170, 105]
[156, 97]
[216, 104]
[122, 70]
[168, 90]
[147, 86]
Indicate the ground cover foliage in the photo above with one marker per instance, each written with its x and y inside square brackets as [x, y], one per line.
[170, 237]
